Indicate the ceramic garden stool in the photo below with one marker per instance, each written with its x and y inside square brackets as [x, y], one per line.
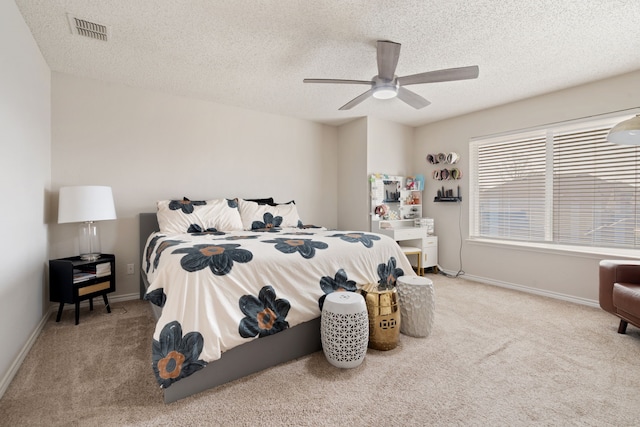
[417, 305]
[384, 316]
[344, 329]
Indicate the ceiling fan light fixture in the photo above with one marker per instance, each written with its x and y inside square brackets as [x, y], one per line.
[384, 88]
[386, 84]
[626, 132]
[385, 92]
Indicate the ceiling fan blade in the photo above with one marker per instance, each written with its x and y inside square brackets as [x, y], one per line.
[450, 74]
[412, 98]
[339, 81]
[357, 100]
[388, 54]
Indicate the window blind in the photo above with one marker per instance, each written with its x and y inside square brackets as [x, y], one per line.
[563, 184]
[595, 190]
[511, 188]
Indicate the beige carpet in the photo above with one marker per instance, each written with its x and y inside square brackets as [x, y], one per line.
[495, 357]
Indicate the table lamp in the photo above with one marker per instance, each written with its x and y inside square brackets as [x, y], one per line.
[86, 204]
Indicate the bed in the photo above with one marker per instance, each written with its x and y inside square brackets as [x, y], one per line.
[237, 286]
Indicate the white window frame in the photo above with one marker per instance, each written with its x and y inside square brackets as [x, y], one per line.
[548, 132]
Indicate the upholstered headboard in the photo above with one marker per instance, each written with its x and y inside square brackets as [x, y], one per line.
[148, 224]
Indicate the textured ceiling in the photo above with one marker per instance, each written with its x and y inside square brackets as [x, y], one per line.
[255, 54]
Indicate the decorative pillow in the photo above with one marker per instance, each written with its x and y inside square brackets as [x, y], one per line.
[184, 216]
[176, 216]
[255, 216]
[223, 215]
[277, 204]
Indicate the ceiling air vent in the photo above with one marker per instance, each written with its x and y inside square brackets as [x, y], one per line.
[82, 27]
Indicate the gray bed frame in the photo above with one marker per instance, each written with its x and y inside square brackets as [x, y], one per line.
[246, 359]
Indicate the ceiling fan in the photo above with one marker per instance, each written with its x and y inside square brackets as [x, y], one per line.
[387, 85]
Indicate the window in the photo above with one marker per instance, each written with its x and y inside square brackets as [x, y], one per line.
[562, 184]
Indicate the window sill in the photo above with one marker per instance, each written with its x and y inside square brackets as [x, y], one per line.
[589, 252]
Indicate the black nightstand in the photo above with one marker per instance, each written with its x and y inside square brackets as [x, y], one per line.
[72, 280]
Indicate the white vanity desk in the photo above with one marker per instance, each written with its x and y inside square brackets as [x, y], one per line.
[404, 231]
[402, 199]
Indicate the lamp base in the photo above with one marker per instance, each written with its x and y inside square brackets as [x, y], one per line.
[89, 241]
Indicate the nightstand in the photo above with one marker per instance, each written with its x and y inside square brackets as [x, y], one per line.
[72, 280]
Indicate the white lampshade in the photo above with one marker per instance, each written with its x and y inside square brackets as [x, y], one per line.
[85, 203]
[626, 132]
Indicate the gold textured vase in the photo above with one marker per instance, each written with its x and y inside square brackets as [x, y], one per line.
[384, 316]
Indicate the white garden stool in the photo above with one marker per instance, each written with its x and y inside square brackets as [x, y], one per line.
[417, 305]
[344, 329]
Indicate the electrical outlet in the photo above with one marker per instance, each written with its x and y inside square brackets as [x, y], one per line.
[130, 269]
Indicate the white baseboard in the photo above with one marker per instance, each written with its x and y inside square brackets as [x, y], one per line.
[535, 291]
[97, 301]
[17, 362]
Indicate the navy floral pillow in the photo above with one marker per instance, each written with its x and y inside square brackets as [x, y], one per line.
[184, 216]
[256, 216]
[176, 216]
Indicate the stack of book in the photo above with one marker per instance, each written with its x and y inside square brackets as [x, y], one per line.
[91, 272]
[103, 269]
[81, 276]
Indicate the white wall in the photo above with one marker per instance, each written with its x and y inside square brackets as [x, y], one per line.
[550, 272]
[390, 151]
[25, 171]
[390, 148]
[365, 146]
[150, 146]
[353, 201]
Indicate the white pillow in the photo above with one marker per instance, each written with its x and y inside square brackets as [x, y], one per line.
[222, 214]
[253, 215]
[182, 216]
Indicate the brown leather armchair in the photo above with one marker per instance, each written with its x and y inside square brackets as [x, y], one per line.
[620, 291]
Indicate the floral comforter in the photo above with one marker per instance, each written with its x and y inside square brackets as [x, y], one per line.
[219, 290]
